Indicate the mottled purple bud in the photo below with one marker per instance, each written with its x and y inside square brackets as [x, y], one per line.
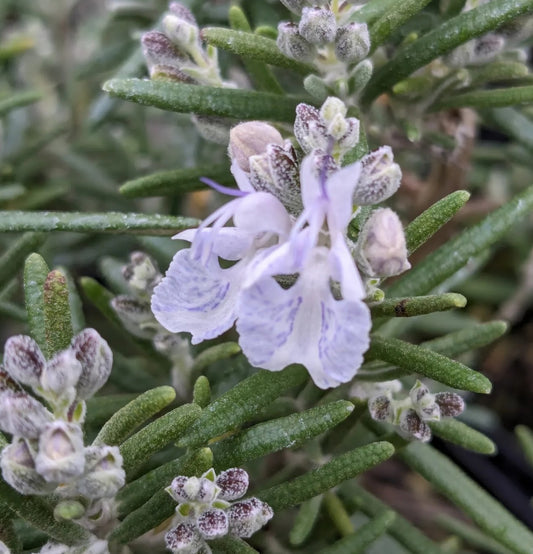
[158, 49]
[382, 250]
[18, 468]
[317, 25]
[380, 408]
[176, 489]
[96, 359]
[60, 456]
[292, 44]
[135, 315]
[23, 360]
[249, 139]
[213, 523]
[450, 404]
[412, 426]
[104, 475]
[165, 72]
[352, 42]
[181, 11]
[193, 489]
[309, 129]
[20, 413]
[142, 274]
[380, 177]
[61, 375]
[248, 516]
[184, 539]
[233, 483]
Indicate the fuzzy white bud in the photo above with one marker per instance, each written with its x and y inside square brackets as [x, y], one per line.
[317, 25]
[352, 42]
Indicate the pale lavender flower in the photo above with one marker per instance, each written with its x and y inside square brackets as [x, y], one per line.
[306, 323]
[199, 296]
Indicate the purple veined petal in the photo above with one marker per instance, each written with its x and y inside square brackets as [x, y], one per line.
[262, 212]
[344, 270]
[229, 243]
[197, 298]
[304, 324]
[309, 183]
[241, 178]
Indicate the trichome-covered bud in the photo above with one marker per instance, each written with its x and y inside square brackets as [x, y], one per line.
[183, 32]
[380, 177]
[135, 315]
[184, 539]
[59, 378]
[317, 25]
[20, 413]
[292, 44]
[248, 516]
[352, 42]
[369, 389]
[233, 483]
[182, 12]
[18, 468]
[381, 248]
[193, 489]
[380, 408]
[60, 456]
[424, 402]
[23, 360]
[249, 139]
[309, 129]
[212, 523]
[104, 475]
[96, 359]
[412, 426]
[158, 49]
[450, 404]
[142, 274]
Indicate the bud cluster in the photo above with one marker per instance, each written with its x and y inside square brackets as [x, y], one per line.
[409, 414]
[142, 275]
[46, 454]
[325, 36]
[207, 510]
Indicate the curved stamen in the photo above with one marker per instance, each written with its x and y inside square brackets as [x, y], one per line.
[221, 188]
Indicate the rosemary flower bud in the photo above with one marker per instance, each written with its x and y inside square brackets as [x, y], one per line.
[248, 516]
[352, 42]
[23, 360]
[184, 539]
[317, 25]
[233, 483]
[292, 44]
[213, 523]
[104, 475]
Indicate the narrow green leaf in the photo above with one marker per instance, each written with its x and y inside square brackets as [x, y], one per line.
[453, 483]
[443, 39]
[57, 320]
[274, 435]
[338, 514]
[364, 536]
[107, 222]
[482, 99]
[213, 354]
[472, 536]
[101, 408]
[511, 121]
[134, 414]
[100, 297]
[226, 102]
[201, 393]
[13, 311]
[459, 433]
[15, 45]
[305, 520]
[138, 492]
[417, 305]
[259, 72]
[152, 438]
[35, 273]
[253, 46]
[373, 10]
[357, 498]
[19, 100]
[415, 359]
[393, 18]
[16, 254]
[75, 304]
[432, 219]
[177, 181]
[453, 255]
[231, 545]
[467, 339]
[8, 534]
[525, 436]
[36, 511]
[339, 469]
[497, 71]
[241, 403]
